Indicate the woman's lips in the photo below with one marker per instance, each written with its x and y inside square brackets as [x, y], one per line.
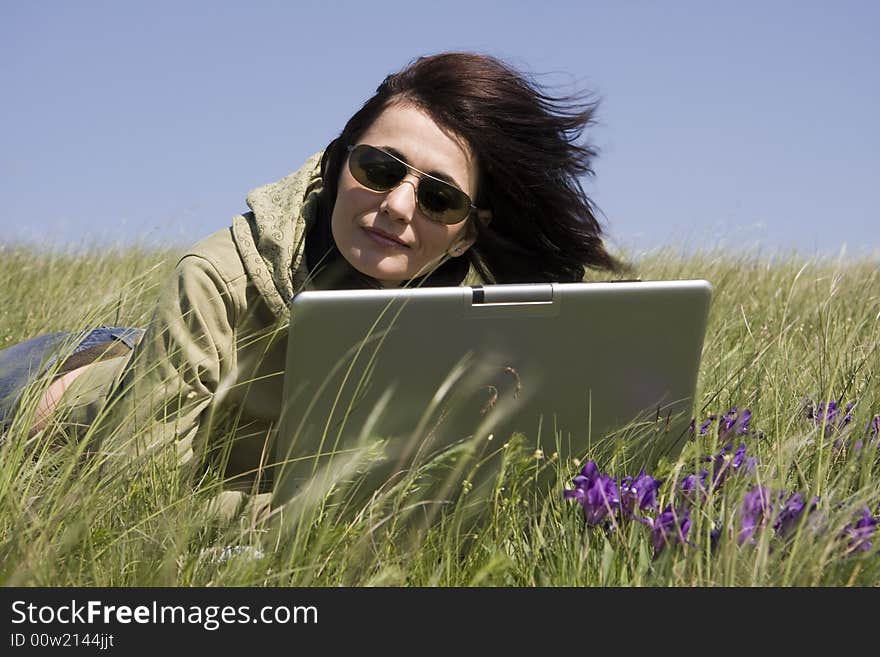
[384, 239]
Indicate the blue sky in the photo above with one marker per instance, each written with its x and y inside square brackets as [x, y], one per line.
[746, 125]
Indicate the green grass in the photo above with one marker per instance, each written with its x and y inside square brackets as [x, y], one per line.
[781, 329]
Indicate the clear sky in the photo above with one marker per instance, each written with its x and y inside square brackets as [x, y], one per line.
[748, 124]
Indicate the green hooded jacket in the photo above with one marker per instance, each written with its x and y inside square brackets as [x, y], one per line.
[207, 375]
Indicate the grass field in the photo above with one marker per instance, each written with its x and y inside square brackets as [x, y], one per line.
[790, 493]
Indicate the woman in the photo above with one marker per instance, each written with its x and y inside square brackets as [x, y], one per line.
[458, 170]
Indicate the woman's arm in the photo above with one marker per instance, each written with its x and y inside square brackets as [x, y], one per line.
[174, 373]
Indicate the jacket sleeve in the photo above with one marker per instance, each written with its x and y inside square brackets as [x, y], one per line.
[176, 371]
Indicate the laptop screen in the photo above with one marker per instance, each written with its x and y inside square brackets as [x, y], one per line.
[382, 381]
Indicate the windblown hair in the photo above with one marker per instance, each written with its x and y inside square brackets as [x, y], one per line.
[529, 159]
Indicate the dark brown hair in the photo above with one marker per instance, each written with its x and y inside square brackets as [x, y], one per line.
[543, 226]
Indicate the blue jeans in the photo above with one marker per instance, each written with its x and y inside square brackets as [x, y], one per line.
[25, 362]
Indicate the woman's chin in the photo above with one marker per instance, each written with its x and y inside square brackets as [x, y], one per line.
[383, 272]
[390, 271]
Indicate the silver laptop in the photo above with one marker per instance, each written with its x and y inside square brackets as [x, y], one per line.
[380, 383]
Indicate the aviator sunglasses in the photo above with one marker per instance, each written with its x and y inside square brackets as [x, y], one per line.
[381, 171]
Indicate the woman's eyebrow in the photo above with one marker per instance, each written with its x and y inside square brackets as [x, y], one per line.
[434, 174]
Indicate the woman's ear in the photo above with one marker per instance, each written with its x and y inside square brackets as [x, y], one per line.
[467, 240]
[462, 244]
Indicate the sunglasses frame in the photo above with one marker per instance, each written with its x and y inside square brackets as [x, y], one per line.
[418, 174]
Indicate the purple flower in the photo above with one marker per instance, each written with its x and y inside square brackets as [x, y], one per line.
[757, 508]
[596, 492]
[640, 493]
[734, 423]
[872, 433]
[871, 436]
[723, 463]
[704, 427]
[669, 528]
[740, 462]
[829, 415]
[694, 486]
[761, 506]
[859, 534]
[790, 513]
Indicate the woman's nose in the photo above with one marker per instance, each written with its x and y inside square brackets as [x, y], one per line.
[400, 202]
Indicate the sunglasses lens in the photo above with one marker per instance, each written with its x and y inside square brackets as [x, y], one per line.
[374, 169]
[442, 202]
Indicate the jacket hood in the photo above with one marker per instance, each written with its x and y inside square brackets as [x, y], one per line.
[271, 237]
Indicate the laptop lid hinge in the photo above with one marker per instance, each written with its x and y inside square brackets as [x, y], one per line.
[512, 294]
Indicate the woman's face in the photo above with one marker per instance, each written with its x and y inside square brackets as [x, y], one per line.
[385, 235]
